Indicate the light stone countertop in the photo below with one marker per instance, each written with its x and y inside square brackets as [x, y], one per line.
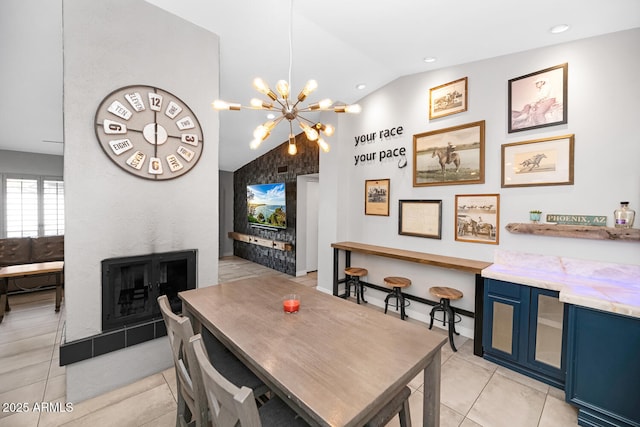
[603, 286]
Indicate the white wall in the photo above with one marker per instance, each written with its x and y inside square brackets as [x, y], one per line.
[108, 45]
[603, 114]
[30, 163]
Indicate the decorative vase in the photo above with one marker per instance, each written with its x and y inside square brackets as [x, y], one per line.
[535, 217]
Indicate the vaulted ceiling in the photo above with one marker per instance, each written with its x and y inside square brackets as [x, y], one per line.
[338, 43]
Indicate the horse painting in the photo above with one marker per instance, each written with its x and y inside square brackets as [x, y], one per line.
[532, 162]
[445, 159]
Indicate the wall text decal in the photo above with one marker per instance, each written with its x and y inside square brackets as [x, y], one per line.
[381, 135]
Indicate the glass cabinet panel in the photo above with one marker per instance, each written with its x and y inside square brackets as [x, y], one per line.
[502, 328]
[549, 330]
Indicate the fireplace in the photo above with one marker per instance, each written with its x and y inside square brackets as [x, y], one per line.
[131, 286]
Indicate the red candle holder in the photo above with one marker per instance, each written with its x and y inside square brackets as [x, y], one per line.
[291, 303]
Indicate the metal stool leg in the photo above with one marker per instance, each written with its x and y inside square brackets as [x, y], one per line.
[347, 286]
[448, 313]
[361, 290]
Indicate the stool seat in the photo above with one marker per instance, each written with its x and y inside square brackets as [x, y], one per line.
[446, 295]
[444, 292]
[355, 273]
[397, 283]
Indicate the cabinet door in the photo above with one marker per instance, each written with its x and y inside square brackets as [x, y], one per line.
[504, 334]
[547, 334]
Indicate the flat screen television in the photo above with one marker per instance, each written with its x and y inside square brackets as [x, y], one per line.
[267, 205]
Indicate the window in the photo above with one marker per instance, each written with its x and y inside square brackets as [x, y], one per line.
[34, 206]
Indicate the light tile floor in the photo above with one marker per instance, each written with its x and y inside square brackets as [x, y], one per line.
[474, 392]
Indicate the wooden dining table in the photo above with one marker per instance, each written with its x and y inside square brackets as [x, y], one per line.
[25, 270]
[334, 362]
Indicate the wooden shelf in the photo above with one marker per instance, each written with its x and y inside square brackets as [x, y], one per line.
[274, 244]
[576, 231]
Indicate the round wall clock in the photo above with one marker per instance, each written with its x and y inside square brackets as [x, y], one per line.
[149, 132]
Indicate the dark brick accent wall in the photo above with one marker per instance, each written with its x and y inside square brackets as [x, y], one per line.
[262, 170]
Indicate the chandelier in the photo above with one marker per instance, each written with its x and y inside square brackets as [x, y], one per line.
[290, 109]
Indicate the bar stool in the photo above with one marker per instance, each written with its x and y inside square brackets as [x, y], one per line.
[397, 283]
[355, 273]
[446, 295]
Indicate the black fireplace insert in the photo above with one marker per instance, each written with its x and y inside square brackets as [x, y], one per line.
[131, 286]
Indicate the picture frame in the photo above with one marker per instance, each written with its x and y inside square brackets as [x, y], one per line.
[538, 99]
[421, 218]
[478, 218]
[449, 98]
[449, 156]
[376, 197]
[539, 162]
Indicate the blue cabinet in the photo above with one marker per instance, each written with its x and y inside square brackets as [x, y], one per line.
[603, 360]
[524, 330]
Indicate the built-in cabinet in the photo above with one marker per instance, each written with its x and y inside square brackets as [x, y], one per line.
[524, 330]
[603, 367]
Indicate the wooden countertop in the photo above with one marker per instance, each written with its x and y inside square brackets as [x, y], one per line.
[463, 264]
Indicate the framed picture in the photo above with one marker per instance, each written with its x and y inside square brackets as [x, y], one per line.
[477, 218]
[538, 99]
[449, 98]
[538, 162]
[449, 156]
[376, 197]
[422, 218]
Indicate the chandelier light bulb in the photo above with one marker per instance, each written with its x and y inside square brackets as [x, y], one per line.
[258, 103]
[353, 109]
[293, 150]
[329, 129]
[219, 104]
[283, 88]
[255, 144]
[312, 134]
[325, 103]
[263, 88]
[308, 88]
[323, 145]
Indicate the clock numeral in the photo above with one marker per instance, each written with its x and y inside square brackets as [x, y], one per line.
[185, 153]
[173, 110]
[137, 160]
[119, 110]
[112, 127]
[119, 146]
[174, 163]
[155, 166]
[155, 101]
[189, 138]
[185, 123]
[135, 99]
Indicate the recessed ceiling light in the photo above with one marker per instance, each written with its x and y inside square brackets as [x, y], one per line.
[557, 29]
[271, 116]
[429, 59]
[361, 86]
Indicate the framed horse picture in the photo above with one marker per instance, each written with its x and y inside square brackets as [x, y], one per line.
[539, 162]
[538, 99]
[478, 218]
[449, 156]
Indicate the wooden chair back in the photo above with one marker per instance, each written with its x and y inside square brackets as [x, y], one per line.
[191, 395]
[228, 404]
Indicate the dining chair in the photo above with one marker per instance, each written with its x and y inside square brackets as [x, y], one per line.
[230, 405]
[192, 401]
